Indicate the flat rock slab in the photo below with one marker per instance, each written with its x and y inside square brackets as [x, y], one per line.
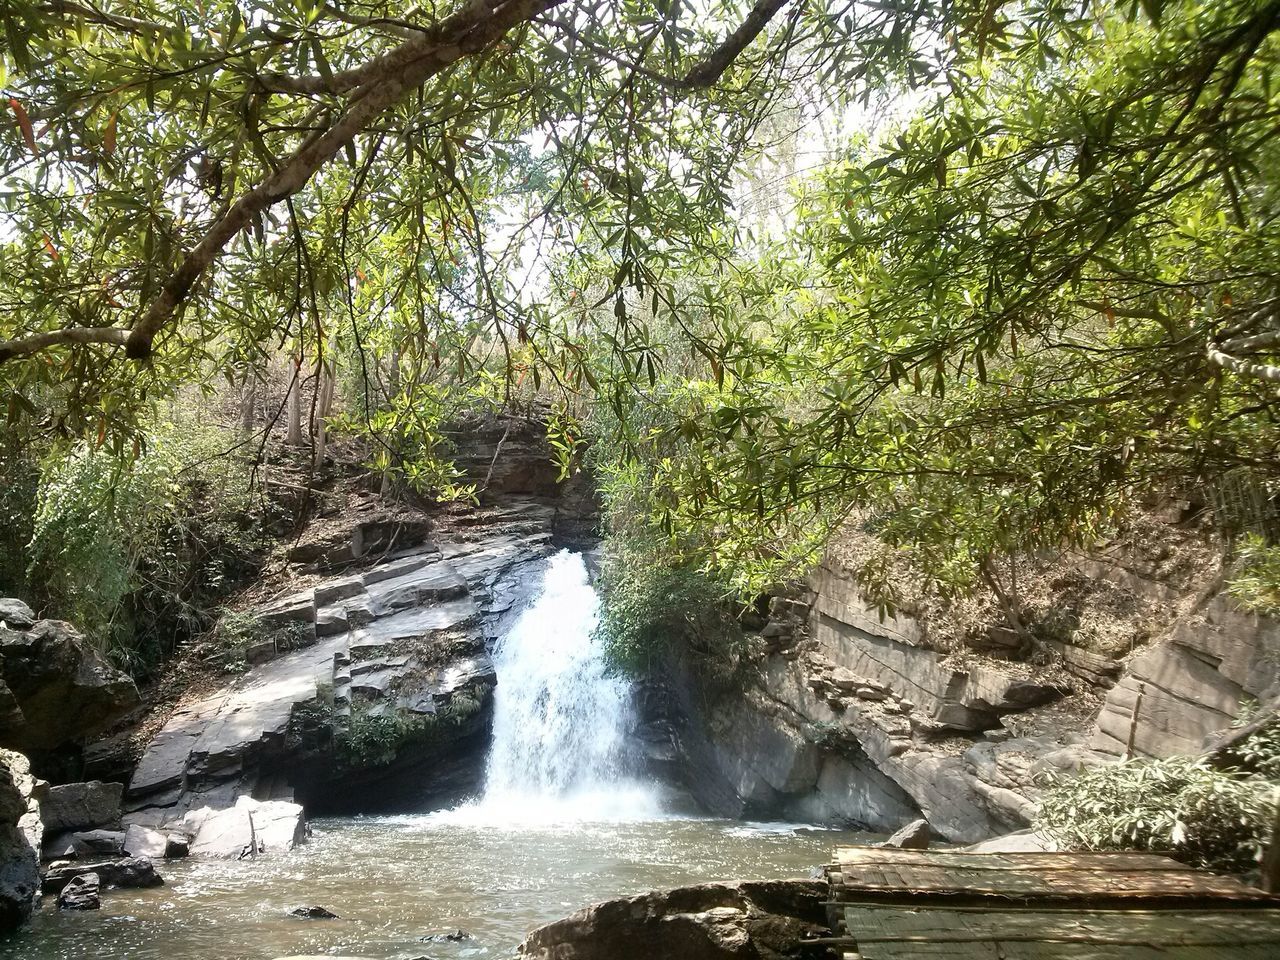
[249, 828]
[139, 841]
[217, 731]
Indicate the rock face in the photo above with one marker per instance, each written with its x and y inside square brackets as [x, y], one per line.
[387, 703]
[848, 716]
[856, 720]
[54, 687]
[1182, 690]
[20, 836]
[81, 806]
[745, 921]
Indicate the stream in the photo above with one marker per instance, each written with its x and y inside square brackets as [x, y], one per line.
[565, 819]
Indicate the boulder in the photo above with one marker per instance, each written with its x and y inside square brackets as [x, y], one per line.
[81, 893]
[126, 872]
[20, 836]
[16, 614]
[714, 921]
[914, 836]
[81, 806]
[140, 841]
[82, 844]
[1020, 841]
[313, 913]
[62, 688]
[249, 828]
[177, 846]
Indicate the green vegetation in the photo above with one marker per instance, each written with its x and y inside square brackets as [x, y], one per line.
[1205, 815]
[1256, 583]
[239, 630]
[1045, 284]
[375, 738]
[135, 554]
[651, 604]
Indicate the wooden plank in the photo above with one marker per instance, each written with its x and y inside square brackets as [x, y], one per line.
[872, 923]
[1032, 877]
[1054, 951]
[1113, 886]
[859, 856]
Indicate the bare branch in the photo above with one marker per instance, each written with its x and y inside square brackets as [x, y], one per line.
[713, 67]
[1245, 368]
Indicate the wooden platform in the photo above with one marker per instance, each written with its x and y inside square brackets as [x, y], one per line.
[919, 905]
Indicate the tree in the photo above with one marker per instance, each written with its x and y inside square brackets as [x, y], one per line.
[1053, 285]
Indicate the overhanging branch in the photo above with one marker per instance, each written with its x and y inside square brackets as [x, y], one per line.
[36, 342]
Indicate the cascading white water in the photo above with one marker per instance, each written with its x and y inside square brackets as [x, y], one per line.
[561, 719]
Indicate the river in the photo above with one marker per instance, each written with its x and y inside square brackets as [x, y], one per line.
[566, 818]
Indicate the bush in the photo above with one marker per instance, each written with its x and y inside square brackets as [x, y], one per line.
[1256, 583]
[648, 604]
[135, 553]
[1183, 807]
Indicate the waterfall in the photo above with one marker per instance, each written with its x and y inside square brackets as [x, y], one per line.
[560, 748]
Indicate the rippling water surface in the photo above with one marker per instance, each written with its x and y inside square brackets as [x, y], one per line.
[396, 880]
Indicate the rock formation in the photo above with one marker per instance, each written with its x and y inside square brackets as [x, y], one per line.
[849, 715]
[714, 921]
[380, 697]
[20, 836]
[55, 688]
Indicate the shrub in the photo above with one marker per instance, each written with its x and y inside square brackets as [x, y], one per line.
[1183, 807]
[375, 739]
[1256, 583]
[648, 604]
[135, 552]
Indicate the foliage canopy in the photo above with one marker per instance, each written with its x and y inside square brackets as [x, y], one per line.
[1050, 282]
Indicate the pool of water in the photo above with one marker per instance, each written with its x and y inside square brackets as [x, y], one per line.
[396, 881]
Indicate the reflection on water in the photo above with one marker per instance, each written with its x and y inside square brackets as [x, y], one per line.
[396, 880]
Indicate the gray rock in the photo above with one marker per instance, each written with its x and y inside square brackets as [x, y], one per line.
[1020, 841]
[1193, 684]
[14, 613]
[177, 846]
[313, 913]
[914, 836]
[81, 806]
[63, 689]
[80, 893]
[93, 843]
[262, 652]
[126, 872]
[20, 836]
[407, 636]
[249, 828]
[139, 841]
[709, 922]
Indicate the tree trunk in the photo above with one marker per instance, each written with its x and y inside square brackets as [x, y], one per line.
[324, 404]
[293, 436]
[249, 402]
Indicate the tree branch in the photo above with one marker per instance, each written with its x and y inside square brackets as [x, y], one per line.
[41, 341]
[403, 69]
[1245, 368]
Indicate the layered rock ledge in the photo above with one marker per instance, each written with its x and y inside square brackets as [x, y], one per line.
[372, 690]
